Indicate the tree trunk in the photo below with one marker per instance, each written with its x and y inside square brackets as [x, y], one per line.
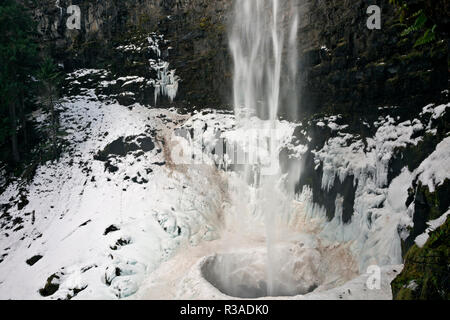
[14, 139]
[54, 128]
[23, 119]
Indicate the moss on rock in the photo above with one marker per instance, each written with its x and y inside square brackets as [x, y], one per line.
[426, 272]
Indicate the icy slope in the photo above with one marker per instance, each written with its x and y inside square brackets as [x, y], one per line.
[95, 228]
[118, 217]
[380, 217]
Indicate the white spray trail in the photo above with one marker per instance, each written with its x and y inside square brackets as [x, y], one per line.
[257, 43]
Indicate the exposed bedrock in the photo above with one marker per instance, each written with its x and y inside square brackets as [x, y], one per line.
[344, 67]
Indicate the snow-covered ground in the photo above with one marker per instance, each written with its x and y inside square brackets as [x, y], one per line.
[119, 217]
[101, 226]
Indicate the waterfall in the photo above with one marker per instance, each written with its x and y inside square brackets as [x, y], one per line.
[263, 41]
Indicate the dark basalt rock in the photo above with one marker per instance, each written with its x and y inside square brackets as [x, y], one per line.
[122, 146]
[343, 66]
[75, 292]
[196, 29]
[2, 257]
[85, 223]
[111, 168]
[111, 228]
[51, 286]
[120, 243]
[22, 202]
[146, 144]
[427, 206]
[413, 155]
[117, 147]
[33, 260]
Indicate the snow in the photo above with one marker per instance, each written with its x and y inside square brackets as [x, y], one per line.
[183, 213]
[357, 288]
[127, 93]
[130, 80]
[432, 225]
[130, 48]
[439, 111]
[347, 155]
[74, 200]
[183, 276]
[171, 215]
[436, 168]
[330, 122]
[435, 111]
[166, 82]
[2, 174]
[106, 84]
[335, 127]
[85, 72]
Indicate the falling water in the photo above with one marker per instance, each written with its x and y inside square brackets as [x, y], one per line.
[263, 42]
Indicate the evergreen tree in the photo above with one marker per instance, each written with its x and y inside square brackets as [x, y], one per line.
[18, 54]
[50, 79]
[427, 18]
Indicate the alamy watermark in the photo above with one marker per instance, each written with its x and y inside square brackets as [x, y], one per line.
[374, 280]
[255, 147]
[74, 20]
[374, 20]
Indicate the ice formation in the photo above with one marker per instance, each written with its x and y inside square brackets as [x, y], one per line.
[166, 83]
[379, 209]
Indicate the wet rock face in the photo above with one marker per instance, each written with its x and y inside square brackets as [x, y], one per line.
[427, 206]
[196, 29]
[347, 68]
[344, 67]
